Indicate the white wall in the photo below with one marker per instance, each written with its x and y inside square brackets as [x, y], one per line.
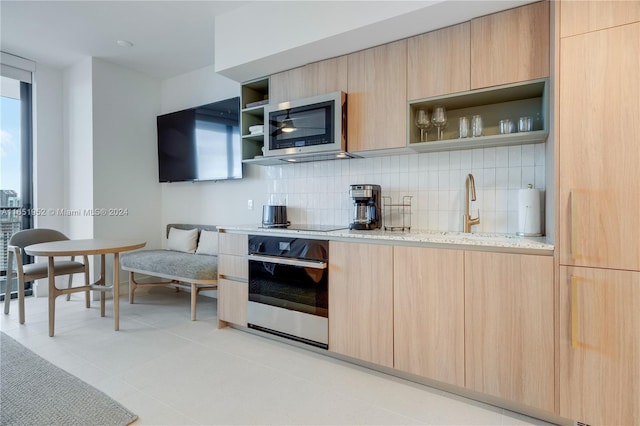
[48, 139]
[207, 202]
[78, 147]
[125, 105]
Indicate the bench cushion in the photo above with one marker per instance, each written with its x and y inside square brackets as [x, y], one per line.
[192, 268]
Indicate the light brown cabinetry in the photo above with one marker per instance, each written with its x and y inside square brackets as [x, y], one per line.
[599, 197]
[439, 62]
[428, 315]
[377, 85]
[233, 287]
[510, 46]
[361, 301]
[310, 80]
[509, 328]
[599, 200]
[577, 17]
[600, 346]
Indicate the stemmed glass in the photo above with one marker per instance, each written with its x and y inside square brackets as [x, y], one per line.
[439, 119]
[423, 123]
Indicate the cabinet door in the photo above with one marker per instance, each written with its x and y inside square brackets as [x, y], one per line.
[510, 46]
[233, 297]
[438, 62]
[310, 80]
[376, 99]
[599, 146]
[600, 346]
[428, 294]
[509, 331]
[577, 17]
[361, 301]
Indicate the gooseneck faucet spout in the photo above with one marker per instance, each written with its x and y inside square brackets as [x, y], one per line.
[470, 195]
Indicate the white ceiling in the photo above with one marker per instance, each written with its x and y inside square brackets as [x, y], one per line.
[169, 37]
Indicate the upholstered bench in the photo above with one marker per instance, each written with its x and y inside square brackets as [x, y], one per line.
[190, 261]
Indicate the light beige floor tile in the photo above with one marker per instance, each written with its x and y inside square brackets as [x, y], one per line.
[174, 371]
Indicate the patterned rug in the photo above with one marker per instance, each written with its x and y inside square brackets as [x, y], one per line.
[35, 392]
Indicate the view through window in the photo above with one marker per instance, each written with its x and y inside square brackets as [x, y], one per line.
[15, 167]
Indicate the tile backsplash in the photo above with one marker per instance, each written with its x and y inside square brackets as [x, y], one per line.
[319, 192]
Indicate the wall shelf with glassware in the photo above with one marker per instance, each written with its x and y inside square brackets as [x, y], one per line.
[254, 97]
[508, 102]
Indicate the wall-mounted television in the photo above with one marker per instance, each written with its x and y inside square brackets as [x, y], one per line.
[201, 143]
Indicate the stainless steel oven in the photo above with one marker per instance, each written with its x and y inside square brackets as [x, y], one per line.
[288, 288]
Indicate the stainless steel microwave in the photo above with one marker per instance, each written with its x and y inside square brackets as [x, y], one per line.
[316, 125]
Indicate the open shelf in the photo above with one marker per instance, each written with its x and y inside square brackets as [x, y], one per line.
[493, 104]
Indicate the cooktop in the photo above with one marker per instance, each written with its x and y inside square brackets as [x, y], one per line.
[309, 227]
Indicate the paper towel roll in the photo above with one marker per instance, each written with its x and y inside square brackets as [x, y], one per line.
[529, 212]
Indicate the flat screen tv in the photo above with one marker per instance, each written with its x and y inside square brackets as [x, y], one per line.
[201, 143]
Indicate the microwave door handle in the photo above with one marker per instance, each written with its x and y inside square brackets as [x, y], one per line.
[288, 261]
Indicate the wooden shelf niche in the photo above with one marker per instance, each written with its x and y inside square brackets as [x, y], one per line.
[493, 104]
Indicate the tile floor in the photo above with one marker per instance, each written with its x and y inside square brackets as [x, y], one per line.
[172, 371]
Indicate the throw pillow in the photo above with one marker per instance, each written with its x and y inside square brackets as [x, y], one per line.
[208, 243]
[183, 240]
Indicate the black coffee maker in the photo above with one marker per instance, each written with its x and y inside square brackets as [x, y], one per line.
[366, 207]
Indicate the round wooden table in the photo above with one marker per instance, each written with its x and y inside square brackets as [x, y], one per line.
[93, 246]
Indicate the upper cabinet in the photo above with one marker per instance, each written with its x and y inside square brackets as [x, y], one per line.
[438, 62]
[310, 80]
[600, 149]
[510, 46]
[377, 86]
[579, 17]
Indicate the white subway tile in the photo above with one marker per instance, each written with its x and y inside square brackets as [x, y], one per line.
[502, 200]
[528, 155]
[515, 177]
[433, 199]
[502, 222]
[515, 156]
[477, 158]
[454, 160]
[502, 156]
[465, 161]
[488, 200]
[489, 178]
[489, 157]
[540, 177]
[432, 181]
[528, 176]
[443, 179]
[443, 160]
[502, 178]
[539, 154]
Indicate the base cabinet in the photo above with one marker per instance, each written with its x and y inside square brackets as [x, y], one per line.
[428, 315]
[600, 345]
[233, 284]
[361, 301]
[509, 327]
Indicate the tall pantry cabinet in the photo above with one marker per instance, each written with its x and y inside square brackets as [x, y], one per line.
[599, 211]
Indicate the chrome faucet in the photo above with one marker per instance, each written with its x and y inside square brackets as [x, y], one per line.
[468, 220]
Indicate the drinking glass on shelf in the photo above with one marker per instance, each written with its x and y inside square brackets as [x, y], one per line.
[423, 123]
[439, 119]
[476, 126]
[464, 127]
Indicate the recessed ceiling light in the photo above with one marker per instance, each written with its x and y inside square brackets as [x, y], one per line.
[124, 43]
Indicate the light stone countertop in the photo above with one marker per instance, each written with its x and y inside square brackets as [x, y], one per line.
[506, 243]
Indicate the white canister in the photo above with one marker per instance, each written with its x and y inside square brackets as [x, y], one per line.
[529, 212]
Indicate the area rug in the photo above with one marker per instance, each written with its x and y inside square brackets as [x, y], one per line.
[35, 392]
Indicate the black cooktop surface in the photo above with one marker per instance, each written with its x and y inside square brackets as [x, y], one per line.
[311, 227]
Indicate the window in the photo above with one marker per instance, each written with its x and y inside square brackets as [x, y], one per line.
[15, 158]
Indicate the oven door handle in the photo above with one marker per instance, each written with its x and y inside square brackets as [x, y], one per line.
[315, 264]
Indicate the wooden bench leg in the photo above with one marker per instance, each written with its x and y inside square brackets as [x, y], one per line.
[194, 296]
[132, 287]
